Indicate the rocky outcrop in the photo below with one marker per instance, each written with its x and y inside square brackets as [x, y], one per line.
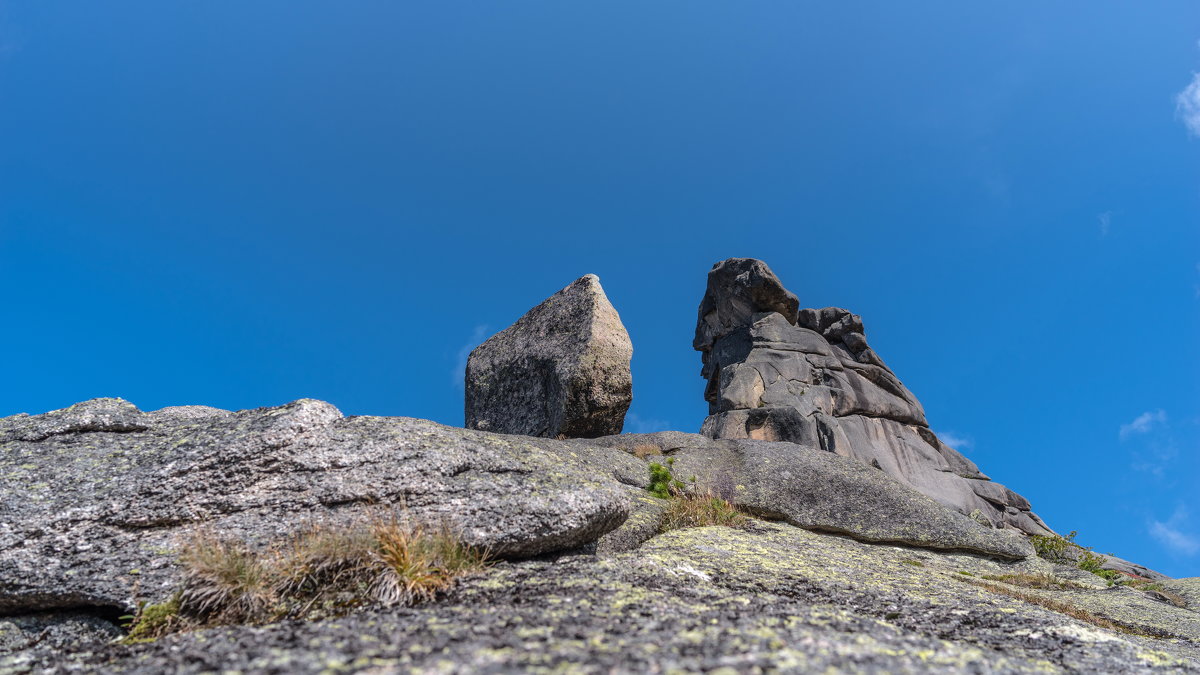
[562, 370]
[808, 376]
[95, 499]
[815, 490]
[772, 598]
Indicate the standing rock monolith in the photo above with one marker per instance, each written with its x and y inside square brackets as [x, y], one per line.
[562, 370]
[779, 373]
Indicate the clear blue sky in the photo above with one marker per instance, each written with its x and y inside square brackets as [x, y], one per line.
[244, 203]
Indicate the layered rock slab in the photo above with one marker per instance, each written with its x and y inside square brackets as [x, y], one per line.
[808, 376]
[770, 599]
[813, 489]
[96, 499]
[562, 370]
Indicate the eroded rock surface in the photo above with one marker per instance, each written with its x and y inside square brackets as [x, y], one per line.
[816, 490]
[562, 370]
[808, 376]
[773, 598]
[96, 498]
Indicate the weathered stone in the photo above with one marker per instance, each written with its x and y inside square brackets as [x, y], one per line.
[822, 491]
[95, 499]
[808, 376]
[562, 370]
[737, 289]
[772, 598]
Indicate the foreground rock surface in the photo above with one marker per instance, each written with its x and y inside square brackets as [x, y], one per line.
[562, 370]
[97, 497]
[774, 598]
[808, 376]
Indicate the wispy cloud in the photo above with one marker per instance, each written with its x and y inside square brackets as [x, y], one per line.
[1144, 423]
[1105, 222]
[1187, 106]
[954, 440]
[1173, 533]
[635, 424]
[460, 362]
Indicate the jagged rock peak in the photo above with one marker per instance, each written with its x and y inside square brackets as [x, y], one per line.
[739, 288]
[562, 370]
[808, 376]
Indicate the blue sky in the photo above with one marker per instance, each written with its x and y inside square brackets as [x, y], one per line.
[241, 204]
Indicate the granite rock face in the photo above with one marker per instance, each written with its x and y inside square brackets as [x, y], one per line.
[772, 598]
[95, 499]
[808, 376]
[562, 370]
[816, 490]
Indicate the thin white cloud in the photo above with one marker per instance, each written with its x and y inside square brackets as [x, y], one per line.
[1105, 222]
[637, 425]
[460, 362]
[1144, 423]
[1172, 533]
[1187, 106]
[956, 441]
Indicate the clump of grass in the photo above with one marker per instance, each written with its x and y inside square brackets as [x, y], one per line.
[1043, 581]
[644, 450]
[689, 505]
[912, 562]
[225, 582]
[418, 562]
[701, 510]
[322, 569]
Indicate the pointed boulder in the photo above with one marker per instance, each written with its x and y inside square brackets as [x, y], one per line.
[562, 370]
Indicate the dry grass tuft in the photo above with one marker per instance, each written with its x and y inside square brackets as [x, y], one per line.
[322, 570]
[701, 509]
[418, 562]
[225, 581]
[644, 450]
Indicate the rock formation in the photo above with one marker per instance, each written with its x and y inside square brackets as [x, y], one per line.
[833, 564]
[562, 370]
[94, 491]
[779, 373]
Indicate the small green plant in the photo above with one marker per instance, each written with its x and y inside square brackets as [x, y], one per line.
[1064, 550]
[965, 573]
[154, 621]
[912, 562]
[663, 483]
[1090, 562]
[1054, 548]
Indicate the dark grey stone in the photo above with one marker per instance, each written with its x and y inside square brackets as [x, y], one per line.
[562, 370]
[808, 376]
